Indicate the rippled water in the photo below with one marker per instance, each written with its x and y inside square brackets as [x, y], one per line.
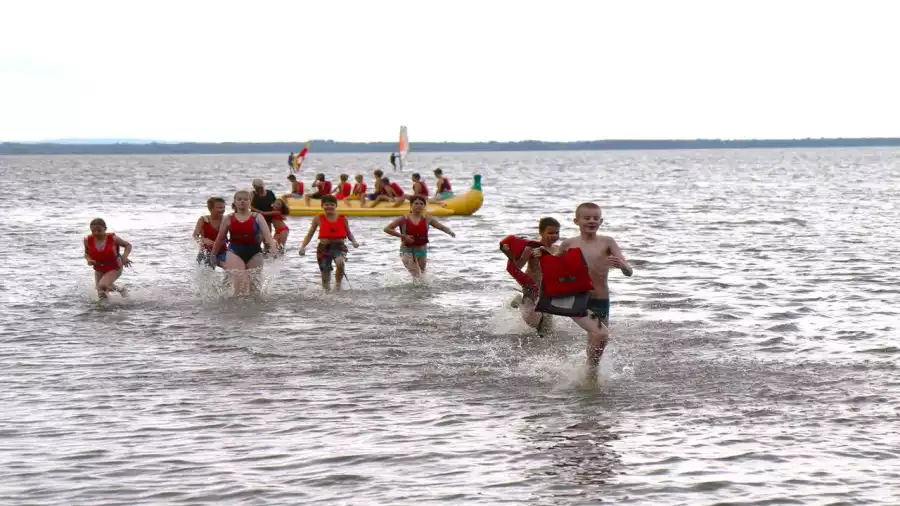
[754, 359]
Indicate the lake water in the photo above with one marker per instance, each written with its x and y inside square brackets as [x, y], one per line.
[754, 356]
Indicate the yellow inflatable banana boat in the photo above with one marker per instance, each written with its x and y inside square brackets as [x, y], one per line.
[464, 204]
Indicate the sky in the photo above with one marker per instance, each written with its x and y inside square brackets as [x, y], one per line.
[460, 70]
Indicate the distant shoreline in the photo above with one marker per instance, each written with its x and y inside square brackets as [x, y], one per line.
[327, 146]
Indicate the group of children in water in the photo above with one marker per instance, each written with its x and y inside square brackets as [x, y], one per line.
[384, 190]
[569, 279]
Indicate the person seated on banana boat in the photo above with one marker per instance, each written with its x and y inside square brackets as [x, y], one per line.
[343, 188]
[377, 189]
[442, 188]
[102, 251]
[392, 192]
[525, 253]
[419, 189]
[244, 230]
[207, 230]
[296, 186]
[320, 186]
[358, 192]
[334, 230]
[413, 235]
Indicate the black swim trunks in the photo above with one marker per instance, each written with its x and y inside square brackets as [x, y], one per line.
[599, 308]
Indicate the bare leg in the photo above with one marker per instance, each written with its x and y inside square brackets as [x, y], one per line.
[255, 263]
[281, 240]
[423, 262]
[106, 282]
[409, 261]
[236, 268]
[597, 337]
[529, 314]
[338, 271]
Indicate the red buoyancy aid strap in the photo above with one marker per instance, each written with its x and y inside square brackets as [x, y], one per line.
[566, 274]
[516, 246]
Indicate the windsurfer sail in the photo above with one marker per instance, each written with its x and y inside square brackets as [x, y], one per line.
[298, 160]
[404, 145]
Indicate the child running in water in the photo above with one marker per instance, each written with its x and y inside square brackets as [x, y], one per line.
[600, 253]
[279, 211]
[207, 230]
[102, 252]
[245, 230]
[413, 235]
[548, 230]
[334, 230]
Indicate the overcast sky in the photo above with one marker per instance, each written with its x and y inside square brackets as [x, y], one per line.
[455, 70]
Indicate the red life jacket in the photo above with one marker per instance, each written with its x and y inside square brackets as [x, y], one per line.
[298, 185]
[565, 284]
[333, 230]
[106, 259]
[566, 274]
[516, 246]
[398, 192]
[345, 190]
[424, 188]
[418, 231]
[359, 189]
[244, 232]
[325, 188]
[210, 232]
[443, 185]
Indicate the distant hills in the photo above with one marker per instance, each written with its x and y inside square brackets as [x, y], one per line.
[149, 147]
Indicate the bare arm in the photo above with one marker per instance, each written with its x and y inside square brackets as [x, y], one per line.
[391, 227]
[267, 236]
[127, 245]
[87, 254]
[198, 233]
[220, 239]
[524, 257]
[617, 258]
[349, 233]
[313, 225]
[434, 222]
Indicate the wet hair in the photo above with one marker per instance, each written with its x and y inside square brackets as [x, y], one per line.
[414, 198]
[585, 205]
[385, 180]
[233, 199]
[98, 221]
[285, 210]
[292, 177]
[547, 222]
[329, 199]
[438, 172]
[344, 177]
[416, 176]
[320, 177]
[212, 201]
[378, 173]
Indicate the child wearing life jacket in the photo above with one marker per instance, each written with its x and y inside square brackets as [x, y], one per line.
[343, 188]
[529, 257]
[390, 192]
[279, 211]
[601, 253]
[442, 188]
[102, 252]
[334, 230]
[413, 235]
[206, 231]
[358, 192]
[245, 230]
[321, 187]
[296, 186]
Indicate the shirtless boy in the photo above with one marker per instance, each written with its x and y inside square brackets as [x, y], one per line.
[601, 254]
[548, 230]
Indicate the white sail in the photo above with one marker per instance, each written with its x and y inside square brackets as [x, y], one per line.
[404, 145]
